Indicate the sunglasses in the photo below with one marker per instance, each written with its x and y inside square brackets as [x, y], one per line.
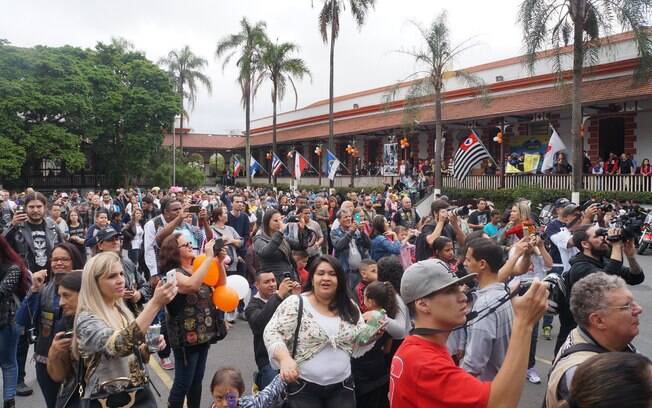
[187, 245]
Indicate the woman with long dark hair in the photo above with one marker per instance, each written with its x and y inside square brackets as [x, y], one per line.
[42, 308]
[319, 369]
[12, 269]
[190, 338]
[76, 232]
[381, 245]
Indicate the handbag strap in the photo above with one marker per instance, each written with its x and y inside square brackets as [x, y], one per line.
[296, 331]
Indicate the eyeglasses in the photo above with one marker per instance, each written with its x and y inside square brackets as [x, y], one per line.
[187, 245]
[627, 306]
[61, 260]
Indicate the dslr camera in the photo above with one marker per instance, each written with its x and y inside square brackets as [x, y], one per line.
[557, 291]
[462, 211]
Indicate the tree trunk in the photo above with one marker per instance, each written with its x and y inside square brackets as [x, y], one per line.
[247, 129]
[331, 141]
[180, 129]
[274, 93]
[438, 139]
[576, 115]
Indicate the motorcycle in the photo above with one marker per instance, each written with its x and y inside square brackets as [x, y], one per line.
[645, 241]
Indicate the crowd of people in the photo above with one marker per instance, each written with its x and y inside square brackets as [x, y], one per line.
[356, 300]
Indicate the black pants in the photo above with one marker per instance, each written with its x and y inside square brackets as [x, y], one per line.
[49, 388]
[376, 398]
[303, 394]
[21, 355]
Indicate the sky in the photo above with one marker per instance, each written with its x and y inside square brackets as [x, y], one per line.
[364, 58]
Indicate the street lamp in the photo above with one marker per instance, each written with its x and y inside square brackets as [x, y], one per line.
[353, 151]
[174, 149]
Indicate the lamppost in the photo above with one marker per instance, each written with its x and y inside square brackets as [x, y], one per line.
[174, 149]
[353, 151]
[268, 156]
[318, 153]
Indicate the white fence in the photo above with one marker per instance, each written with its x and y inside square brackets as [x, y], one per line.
[631, 183]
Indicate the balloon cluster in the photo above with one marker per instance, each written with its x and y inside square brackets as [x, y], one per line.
[404, 143]
[225, 297]
[352, 150]
[268, 156]
[499, 137]
[318, 150]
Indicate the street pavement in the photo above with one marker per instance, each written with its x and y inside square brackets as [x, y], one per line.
[236, 350]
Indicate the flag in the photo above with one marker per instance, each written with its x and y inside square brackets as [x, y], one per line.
[531, 162]
[555, 145]
[236, 167]
[255, 167]
[277, 165]
[511, 169]
[332, 165]
[300, 164]
[470, 153]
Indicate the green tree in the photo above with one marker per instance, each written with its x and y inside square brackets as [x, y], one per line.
[435, 59]
[188, 173]
[281, 69]
[329, 16]
[558, 23]
[247, 45]
[216, 164]
[185, 69]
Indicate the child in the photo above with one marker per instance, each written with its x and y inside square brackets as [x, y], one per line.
[370, 372]
[227, 388]
[442, 249]
[408, 251]
[492, 227]
[301, 259]
[368, 273]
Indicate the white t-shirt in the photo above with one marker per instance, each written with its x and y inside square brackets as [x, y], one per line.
[560, 240]
[330, 365]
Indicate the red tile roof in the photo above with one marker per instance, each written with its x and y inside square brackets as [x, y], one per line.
[207, 141]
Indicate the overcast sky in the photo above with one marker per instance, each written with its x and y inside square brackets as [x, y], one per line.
[364, 58]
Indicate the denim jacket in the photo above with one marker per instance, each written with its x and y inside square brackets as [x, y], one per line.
[341, 240]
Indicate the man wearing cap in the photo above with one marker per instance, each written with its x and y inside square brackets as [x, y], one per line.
[423, 373]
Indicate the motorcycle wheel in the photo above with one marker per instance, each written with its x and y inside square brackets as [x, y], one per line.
[641, 248]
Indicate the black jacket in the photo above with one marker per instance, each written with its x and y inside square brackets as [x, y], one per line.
[259, 313]
[582, 266]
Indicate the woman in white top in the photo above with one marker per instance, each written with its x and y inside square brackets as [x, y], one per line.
[133, 233]
[318, 372]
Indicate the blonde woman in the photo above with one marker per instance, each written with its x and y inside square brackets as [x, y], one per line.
[108, 337]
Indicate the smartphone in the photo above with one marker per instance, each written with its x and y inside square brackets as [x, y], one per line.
[218, 245]
[68, 335]
[171, 277]
[287, 275]
[194, 209]
[20, 209]
[358, 218]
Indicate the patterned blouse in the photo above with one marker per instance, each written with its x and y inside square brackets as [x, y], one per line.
[312, 337]
[109, 354]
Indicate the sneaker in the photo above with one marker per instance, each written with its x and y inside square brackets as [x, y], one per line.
[167, 363]
[532, 376]
[23, 390]
[547, 332]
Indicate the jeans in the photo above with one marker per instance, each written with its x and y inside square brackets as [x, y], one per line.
[49, 388]
[533, 347]
[134, 255]
[354, 279]
[189, 367]
[306, 394]
[265, 376]
[8, 347]
[160, 318]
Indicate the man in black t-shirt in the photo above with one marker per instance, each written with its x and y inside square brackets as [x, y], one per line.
[479, 218]
[439, 223]
[406, 217]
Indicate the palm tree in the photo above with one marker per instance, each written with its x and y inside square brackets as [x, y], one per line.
[247, 44]
[185, 69]
[330, 16]
[281, 68]
[557, 23]
[436, 57]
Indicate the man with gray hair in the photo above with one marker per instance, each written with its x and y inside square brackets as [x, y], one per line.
[607, 320]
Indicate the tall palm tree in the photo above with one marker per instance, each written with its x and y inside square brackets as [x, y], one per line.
[281, 69]
[248, 45]
[435, 58]
[329, 16]
[558, 23]
[185, 69]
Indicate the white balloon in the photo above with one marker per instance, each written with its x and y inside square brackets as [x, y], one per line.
[239, 284]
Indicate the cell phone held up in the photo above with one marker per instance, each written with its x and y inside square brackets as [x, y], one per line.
[194, 209]
[217, 246]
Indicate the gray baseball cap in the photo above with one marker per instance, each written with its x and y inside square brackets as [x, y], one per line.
[423, 278]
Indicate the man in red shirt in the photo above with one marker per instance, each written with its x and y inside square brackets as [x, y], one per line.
[423, 374]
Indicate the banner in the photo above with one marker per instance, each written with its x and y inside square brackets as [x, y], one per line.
[332, 165]
[390, 159]
[531, 162]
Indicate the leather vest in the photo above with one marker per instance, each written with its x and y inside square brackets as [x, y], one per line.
[193, 319]
[48, 314]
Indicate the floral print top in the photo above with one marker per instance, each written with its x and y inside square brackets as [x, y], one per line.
[312, 337]
[109, 354]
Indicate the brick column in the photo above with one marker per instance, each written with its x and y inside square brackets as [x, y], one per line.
[630, 134]
[594, 138]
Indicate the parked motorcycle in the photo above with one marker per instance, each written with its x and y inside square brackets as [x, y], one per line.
[645, 241]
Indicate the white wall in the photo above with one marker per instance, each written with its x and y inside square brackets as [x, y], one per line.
[644, 132]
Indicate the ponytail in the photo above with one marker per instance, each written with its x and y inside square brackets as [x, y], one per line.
[384, 295]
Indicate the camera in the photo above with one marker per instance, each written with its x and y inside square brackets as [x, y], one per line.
[557, 291]
[630, 226]
[459, 211]
[293, 218]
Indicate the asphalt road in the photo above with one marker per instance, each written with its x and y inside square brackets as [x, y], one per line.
[237, 351]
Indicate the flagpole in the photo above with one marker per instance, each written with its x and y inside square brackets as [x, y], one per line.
[485, 147]
[502, 154]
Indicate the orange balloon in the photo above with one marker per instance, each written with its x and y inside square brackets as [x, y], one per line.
[214, 269]
[225, 298]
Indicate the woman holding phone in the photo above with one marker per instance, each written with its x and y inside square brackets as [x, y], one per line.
[192, 320]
